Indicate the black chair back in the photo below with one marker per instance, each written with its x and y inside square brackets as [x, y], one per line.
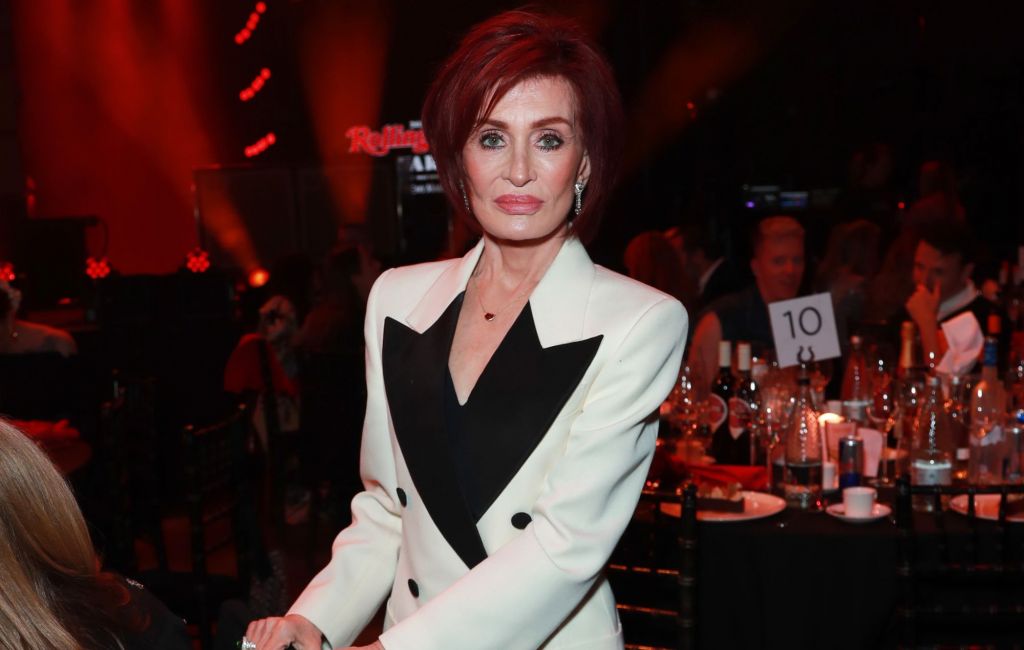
[961, 578]
[653, 572]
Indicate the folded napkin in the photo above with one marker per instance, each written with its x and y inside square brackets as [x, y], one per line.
[965, 340]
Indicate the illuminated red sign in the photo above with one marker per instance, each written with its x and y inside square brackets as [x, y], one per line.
[363, 139]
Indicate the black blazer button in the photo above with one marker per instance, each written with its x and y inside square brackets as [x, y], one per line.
[402, 498]
[414, 588]
[521, 520]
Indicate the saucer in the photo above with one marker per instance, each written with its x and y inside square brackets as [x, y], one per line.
[879, 511]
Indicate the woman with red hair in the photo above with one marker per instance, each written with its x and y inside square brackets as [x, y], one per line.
[509, 421]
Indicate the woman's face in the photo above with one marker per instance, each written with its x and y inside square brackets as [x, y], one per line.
[523, 161]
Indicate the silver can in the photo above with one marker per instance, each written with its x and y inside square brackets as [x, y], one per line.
[851, 461]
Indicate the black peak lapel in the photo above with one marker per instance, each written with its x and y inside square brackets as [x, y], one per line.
[414, 368]
[516, 399]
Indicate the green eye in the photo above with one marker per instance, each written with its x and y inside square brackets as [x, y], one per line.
[550, 141]
[490, 141]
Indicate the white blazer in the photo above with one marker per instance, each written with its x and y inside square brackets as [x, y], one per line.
[561, 469]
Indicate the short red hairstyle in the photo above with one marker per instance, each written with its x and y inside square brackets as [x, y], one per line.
[493, 58]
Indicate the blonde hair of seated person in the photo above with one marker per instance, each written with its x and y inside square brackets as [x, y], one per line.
[52, 594]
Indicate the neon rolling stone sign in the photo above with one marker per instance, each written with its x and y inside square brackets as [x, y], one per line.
[417, 173]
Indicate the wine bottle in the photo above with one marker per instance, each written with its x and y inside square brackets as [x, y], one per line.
[743, 406]
[724, 447]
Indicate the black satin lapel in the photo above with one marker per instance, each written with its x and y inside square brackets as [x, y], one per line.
[414, 367]
[517, 398]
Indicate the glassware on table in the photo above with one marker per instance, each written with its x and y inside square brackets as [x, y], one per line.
[820, 375]
[987, 412]
[882, 413]
[802, 483]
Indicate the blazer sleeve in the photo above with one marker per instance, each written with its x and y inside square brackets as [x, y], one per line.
[345, 595]
[521, 593]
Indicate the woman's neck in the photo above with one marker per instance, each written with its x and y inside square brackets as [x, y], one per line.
[511, 264]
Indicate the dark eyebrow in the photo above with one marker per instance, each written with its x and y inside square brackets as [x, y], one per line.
[541, 123]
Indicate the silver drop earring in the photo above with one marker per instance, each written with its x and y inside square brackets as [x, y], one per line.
[465, 199]
[579, 197]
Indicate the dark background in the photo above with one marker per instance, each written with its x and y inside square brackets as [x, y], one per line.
[108, 108]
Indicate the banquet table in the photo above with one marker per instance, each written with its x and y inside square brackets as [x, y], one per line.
[807, 580]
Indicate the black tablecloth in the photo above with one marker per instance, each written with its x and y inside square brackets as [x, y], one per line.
[807, 580]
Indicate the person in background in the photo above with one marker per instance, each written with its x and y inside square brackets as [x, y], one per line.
[650, 259]
[334, 324]
[704, 263]
[22, 337]
[943, 265]
[778, 268]
[53, 595]
[849, 264]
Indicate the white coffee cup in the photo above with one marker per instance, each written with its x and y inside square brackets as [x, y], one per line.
[859, 501]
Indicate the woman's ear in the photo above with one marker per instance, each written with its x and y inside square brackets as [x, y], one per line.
[583, 175]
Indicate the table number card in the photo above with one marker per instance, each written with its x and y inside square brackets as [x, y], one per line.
[804, 329]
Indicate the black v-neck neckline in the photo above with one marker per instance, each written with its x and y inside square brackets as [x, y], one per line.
[518, 396]
[526, 313]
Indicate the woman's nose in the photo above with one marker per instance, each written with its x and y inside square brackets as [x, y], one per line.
[520, 169]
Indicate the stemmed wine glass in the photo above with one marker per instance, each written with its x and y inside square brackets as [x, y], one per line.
[883, 411]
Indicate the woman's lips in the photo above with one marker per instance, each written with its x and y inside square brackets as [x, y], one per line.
[518, 203]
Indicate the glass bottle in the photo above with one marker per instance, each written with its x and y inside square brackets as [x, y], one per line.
[725, 449]
[743, 407]
[856, 390]
[959, 423]
[988, 408]
[802, 481]
[931, 460]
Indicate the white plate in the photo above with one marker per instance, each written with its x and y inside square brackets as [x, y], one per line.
[879, 511]
[986, 506]
[755, 506]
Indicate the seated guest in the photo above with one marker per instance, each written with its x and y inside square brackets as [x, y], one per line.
[778, 267]
[704, 263]
[22, 337]
[943, 265]
[850, 262]
[52, 593]
[651, 259]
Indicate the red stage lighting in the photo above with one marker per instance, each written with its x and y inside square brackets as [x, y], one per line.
[7, 272]
[197, 260]
[250, 25]
[260, 145]
[97, 269]
[258, 278]
[255, 86]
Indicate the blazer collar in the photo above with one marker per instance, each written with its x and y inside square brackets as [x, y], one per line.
[558, 302]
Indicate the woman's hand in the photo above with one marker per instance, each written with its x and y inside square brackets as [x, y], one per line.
[376, 645]
[279, 633]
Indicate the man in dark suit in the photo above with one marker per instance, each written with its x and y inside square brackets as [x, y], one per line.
[703, 260]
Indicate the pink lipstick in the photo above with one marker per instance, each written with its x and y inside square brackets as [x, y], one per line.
[518, 203]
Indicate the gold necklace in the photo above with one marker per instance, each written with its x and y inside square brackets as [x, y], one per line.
[489, 316]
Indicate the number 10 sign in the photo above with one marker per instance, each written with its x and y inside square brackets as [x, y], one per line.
[804, 329]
